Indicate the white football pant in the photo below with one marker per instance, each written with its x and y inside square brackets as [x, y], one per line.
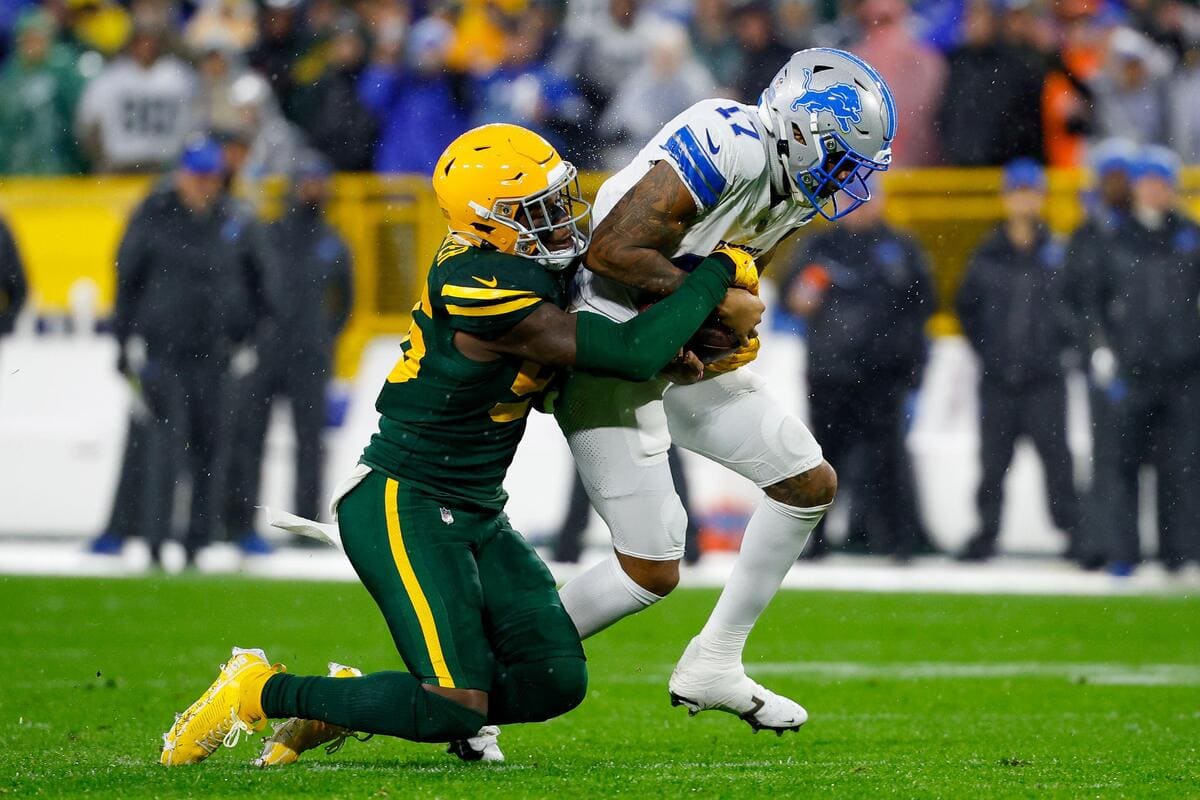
[619, 433]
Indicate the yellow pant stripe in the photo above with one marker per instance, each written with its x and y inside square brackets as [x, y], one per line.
[413, 587]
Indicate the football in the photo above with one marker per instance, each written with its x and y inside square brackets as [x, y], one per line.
[713, 341]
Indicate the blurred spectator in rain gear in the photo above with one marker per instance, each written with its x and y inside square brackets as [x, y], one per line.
[1013, 308]
[100, 25]
[235, 149]
[231, 25]
[1184, 123]
[1170, 24]
[1024, 29]
[281, 44]
[409, 90]
[990, 113]
[602, 56]
[865, 290]
[1131, 91]
[13, 288]
[307, 270]
[1067, 97]
[714, 45]
[763, 54]
[1107, 207]
[670, 80]
[528, 91]
[10, 14]
[217, 69]
[915, 72]
[796, 21]
[40, 86]
[188, 289]
[1148, 293]
[135, 115]
[331, 112]
[483, 33]
[275, 143]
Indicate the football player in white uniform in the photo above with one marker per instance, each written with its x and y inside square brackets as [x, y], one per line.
[721, 173]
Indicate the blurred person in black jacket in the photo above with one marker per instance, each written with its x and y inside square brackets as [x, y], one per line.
[989, 111]
[1148, 292]
[188, 290]
[757, 36]
[1107, 205]
[307, 273]
[13, 288]
[330, 111]
[1013, 309]
[866, 292]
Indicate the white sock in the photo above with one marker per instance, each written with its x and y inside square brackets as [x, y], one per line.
[602, 595]
[774, 538]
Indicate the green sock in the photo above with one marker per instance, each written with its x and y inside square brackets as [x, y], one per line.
[536, 691]
[388, 703]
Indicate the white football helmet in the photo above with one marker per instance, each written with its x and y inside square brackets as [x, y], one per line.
[834, 119]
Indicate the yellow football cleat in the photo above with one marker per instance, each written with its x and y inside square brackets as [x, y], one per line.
[294, 736]
[231, 706]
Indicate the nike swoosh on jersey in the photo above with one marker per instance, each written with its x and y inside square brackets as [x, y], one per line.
[491, 283]
[712, 148]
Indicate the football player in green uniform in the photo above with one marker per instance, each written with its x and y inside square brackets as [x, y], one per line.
[472, 610]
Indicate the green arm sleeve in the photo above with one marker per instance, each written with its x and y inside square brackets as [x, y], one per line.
[638, 349]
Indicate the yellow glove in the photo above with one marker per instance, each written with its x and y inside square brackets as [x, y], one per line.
[739, 358]
[745, 274]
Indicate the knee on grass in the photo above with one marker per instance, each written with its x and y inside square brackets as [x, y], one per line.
[539, 690]
[564, 683]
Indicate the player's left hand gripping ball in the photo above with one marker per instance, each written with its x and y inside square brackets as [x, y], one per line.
[743, 356]
[745, 274]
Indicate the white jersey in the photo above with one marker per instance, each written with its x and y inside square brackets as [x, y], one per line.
[143, 115]
[719, 149]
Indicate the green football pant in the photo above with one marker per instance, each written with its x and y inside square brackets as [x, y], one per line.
[469, 606]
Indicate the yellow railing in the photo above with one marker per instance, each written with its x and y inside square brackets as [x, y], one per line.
[68, 229]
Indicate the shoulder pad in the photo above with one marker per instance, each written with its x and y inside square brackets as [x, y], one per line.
[480, 280]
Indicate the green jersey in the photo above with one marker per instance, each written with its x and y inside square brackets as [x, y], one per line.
[450, 425]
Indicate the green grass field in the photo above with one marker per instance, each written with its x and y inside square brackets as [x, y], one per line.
[909, 696]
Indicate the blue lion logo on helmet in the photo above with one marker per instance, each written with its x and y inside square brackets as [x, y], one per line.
[841, 100]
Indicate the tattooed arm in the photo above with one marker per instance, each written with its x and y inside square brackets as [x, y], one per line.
[635, 241]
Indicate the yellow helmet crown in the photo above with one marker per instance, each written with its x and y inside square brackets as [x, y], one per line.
[506, 187]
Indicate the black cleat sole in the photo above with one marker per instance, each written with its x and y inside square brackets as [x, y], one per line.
[693, 709]
[691, 705]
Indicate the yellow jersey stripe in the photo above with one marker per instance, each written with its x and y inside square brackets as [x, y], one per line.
[509, 412]
[409, 365]
[480, 293]
[493, 310]
[412, 586]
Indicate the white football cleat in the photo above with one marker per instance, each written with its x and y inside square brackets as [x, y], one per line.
[699, 686]
[481, 747]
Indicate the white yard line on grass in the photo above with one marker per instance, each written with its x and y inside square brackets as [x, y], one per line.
[1028, 576]
[1098, 673]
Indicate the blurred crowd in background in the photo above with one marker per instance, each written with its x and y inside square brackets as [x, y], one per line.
[230, 89]
[384, 85]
